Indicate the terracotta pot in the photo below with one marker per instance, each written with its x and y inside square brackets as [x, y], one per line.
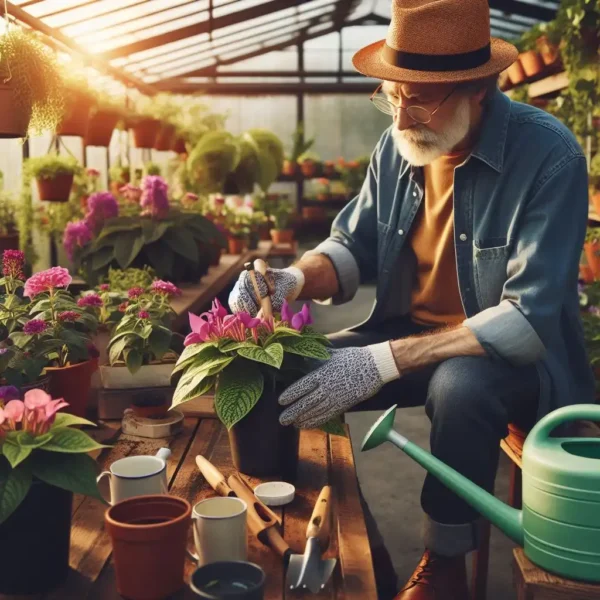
[57, 189]
[531, 62]
[313, 213]
[149, 537]
[282, 236]
[289, 168]
[179, 146]
[50, 536]
[596, 201]
[76, 121]
[549, 52]
[308, 168]
[236, 245]
[73, 384]
[14, 120]
[323, 197]
[101, 128]
[586, 273]
[9, 242]
[164, 138]
[592, 253]
[115, 186]
[328, 169]
[516, 74]
[145, 132]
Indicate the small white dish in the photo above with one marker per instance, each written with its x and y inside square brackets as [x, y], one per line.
[275, 493]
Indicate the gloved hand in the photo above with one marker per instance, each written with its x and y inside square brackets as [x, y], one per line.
[350, 376]
[288, 284]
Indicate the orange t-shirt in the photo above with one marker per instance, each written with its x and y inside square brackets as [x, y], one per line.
[435, 295]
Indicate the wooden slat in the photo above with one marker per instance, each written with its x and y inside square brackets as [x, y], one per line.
[354, 551]
[202, 406]
[551, 84]
[313, 474]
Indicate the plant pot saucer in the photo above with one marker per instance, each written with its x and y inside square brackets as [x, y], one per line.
[152, 428]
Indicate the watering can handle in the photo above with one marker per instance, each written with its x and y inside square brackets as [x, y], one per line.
[576, 412]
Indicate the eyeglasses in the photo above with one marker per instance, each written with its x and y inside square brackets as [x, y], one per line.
[416, 113]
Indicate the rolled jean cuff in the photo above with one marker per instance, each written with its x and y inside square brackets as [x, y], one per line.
[451, 540]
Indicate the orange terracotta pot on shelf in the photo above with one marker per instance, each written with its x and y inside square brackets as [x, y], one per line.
[531, 62]
[282, 236]
[145, 132]
[236, 245]
[515, 72]
[14, 121]
[592, 253]
[57, 189]
[309, 168]
[179, 146]
[73, 384]
[102, 126]
[548, 51]
[289, 168]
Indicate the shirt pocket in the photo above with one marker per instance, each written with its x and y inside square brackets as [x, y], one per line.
[490, 258]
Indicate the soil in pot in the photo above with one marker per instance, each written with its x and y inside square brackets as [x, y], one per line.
[34, 552]
[57, 189]
[150, 405]
[14, 119]
[101, 128]
[164, 138]
[145, 132]
[9, 242]
[515, 72]
[282, 236]
[531, 62]
[73, 384]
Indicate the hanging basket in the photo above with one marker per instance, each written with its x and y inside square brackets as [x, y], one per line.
[101, 128]
[77, 119]
[179, 146]
[14, 119]
[145, 132]
[164, 138]
[57, 189]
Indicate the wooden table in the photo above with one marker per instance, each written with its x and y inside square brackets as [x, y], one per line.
[323, 459]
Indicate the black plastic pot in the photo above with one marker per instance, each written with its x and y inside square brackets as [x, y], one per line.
[235, 580]
[260, 445]
[34, 542]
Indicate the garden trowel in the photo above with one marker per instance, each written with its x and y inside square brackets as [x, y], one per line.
[309, 570]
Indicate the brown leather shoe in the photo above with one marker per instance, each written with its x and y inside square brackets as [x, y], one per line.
[437, 578]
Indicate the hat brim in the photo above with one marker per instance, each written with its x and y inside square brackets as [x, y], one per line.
[369, 61]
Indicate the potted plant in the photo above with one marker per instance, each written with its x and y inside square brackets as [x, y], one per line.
[308, 162]
[258, 220]
[54, 176]
[43, 462]
[119, 176]
[142, 348]
[79, 101]
[299, 146]
[322, 189]
[104, 118]
[281, 215]
[592, 250]
[238, 231]
[529, 57]
[9, 236]
[548, 42]
[31, 91]
[248, 361]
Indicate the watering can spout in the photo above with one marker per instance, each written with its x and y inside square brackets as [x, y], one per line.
[507, 519]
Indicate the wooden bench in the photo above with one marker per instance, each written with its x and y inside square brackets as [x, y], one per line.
[323, 459]
[527, 575]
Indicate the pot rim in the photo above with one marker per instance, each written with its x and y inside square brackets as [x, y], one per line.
[79, 364]
[146, 527]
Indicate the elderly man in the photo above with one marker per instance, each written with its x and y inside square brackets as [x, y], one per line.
[471, 220]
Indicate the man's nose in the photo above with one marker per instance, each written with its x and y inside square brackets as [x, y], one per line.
[402, 120]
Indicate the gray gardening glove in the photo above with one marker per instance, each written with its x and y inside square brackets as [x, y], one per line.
[288, 284]
[350, 376]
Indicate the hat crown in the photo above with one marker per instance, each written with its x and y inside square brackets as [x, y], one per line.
[439, 27]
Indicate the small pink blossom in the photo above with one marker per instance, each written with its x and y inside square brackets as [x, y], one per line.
[93, 172]
[189, 197]
[165, 287]
[14, 410]
[155, 200]
[143, 314]
[77, 234]
[135, 292]
[68, 315]
[35, 326]
[47, 281]
[90, 300]
[12, 264]
[123, 306]
[104, 287]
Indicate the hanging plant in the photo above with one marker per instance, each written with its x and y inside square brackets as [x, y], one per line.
[104, 119]
[32, 93]
[54, 175]
[79, 102]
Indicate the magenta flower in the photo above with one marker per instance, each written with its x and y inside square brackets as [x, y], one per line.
[217, 311]
[248, 321]
[104, 287]
[35, 326]
[155, 200]
[165, 287]
[131, 192]
[8, 392]
[12, 264]
[143, 314]
[77, 234]
[68, 315]
[298, 320]
[189, 197]
[90, 300]
[102, 206]
[123, 306]
[47, 281]
[286, 312]
[93, 172]
[135, 292]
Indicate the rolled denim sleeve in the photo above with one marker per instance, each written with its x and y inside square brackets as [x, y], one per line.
[542, 269]
[352, 244]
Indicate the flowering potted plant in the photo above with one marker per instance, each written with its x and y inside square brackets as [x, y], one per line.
[54, 175]
[104, 117]
[238, 231]
[322, 189]
[79, 101]
[249, 360]
[281, 214]
[9, 236]
[308, 162]
[143, 348]
[43, 462]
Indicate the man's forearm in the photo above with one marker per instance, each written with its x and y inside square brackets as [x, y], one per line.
[320, 277]
[415, 352]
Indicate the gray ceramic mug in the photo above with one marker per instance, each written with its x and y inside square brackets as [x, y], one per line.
[231, 580]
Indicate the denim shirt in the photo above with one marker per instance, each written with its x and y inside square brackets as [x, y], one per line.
[520, 216]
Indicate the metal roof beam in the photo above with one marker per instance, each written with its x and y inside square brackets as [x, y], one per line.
[541, 13]
[213, 72]
[217, 23]
[268, 89]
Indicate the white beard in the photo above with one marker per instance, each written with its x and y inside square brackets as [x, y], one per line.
[420, 145]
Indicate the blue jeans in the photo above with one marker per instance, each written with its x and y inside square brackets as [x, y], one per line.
[470, 401]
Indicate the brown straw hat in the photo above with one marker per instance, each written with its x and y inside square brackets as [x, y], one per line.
[436, 41]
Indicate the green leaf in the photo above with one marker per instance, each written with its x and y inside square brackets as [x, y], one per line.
[192, 389]
[182, 242]
[117, 347]
[282, 332]
[40, 306]
[237, 393]
[146, 331]
[257, 354]
[20, 339]
[153, 231]
[102, 257]
[71, 441]
[190, 353]
[15, 453]
[161, 258]
[231, 345]
[276, 352]
[26, 440]
[14, 486]
[72, 472]
[308, 347]
[334, 427]
[127, 247]
[67, 420]
[133, 359]
[160, 341]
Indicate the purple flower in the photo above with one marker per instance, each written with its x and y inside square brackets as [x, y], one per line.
[77, 234]
[143, 314]
[35, 326]
[90, 300]
[102, 206]
[165, 287]
[9, 392]
[155, 200]
[297, 320]
[308, 320]
[286, 312]
[248, 321]
[68, 315]
[12, 264]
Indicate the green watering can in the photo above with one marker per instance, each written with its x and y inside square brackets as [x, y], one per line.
[559, 526]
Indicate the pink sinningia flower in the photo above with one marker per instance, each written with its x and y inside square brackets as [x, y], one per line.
[40, 411]
[12, 264]
[166, 288]
[69, 316]
[35, 326]
[47, 281]
[90, 300]
[77, 234]
[143, 314]
[13, 411]
[201, 330]
[135, 292]
[217, 311]
[131, 193]
[155, 199]
[286, 312]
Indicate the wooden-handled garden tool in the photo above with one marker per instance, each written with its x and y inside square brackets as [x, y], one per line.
[265, 302]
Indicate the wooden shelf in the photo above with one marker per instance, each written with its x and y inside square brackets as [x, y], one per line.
[549, 85]
[593, 215]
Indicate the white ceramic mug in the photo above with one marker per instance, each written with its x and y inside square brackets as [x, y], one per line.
[137, 476]
[219, 530]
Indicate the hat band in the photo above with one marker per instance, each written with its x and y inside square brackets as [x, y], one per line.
[437, 62]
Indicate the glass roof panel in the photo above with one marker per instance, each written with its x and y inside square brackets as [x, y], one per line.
[162, 51]
[251, 23]
[48, 7]
[235, 7]
[89, 11]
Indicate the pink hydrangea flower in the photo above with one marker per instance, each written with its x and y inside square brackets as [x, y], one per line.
[12, 264]
[165, 287]
[68, 315]
[77, 234]
[143, 314]
[135, 292]
[35, 326]
[155, 200]
[90, 300]
[47, 281]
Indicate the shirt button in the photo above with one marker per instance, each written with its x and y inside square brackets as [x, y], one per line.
[415, 194]
[401, 231]
[463, 237]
